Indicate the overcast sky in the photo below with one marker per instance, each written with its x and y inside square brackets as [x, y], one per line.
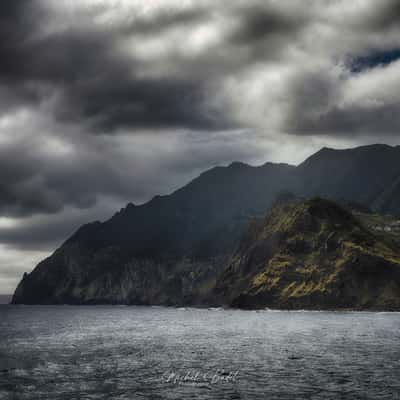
[106, 102]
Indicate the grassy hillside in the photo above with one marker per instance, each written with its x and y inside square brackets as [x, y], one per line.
[314, 254]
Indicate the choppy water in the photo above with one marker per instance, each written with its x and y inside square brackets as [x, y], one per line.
[164, 353]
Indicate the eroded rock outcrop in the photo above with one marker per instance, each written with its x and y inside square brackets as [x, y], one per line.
[313, 254]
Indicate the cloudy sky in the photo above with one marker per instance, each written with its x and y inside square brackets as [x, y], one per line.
[105, 102]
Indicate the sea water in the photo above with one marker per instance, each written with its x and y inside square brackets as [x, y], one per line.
[117, 352]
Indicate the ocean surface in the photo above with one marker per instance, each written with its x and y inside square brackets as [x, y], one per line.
[116, 352]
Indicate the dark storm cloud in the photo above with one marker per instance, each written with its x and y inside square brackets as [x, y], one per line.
[379, 121]
[49, 232]
[29, 186]
[346, 106]
[383, 16]
[19, 22]
[261, 21]
[93, 81]
[351, 90]
[109, 104]
[36, 178]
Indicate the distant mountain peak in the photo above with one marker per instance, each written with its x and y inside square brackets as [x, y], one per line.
[238, 164]
[328, 153]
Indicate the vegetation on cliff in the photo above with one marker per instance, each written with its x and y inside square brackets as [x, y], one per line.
[172, 249]
[313, 254]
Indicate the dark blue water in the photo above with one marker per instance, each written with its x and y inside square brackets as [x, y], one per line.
[65, 352]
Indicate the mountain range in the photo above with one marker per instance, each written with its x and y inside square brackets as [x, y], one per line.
[175, 249]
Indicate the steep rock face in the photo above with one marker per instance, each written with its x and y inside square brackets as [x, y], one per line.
[154, 253]
[313, 254]
[75, 276]
[196, 227]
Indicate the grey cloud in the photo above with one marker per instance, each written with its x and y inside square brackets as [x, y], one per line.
[146, 103]
[261, 21]
[32, 182]
[46, 233]
[383, 16]
[166, 20]
[379, 121]
[313, 94]
[340, 102]
[93, 81]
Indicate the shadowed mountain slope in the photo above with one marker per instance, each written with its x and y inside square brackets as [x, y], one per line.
[172, 249]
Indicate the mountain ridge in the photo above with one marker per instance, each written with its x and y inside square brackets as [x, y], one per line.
[198, 224]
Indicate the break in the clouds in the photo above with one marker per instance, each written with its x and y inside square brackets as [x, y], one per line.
[105, 102]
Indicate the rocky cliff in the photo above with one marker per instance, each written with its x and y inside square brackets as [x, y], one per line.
[313, 254]
[172, 249]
